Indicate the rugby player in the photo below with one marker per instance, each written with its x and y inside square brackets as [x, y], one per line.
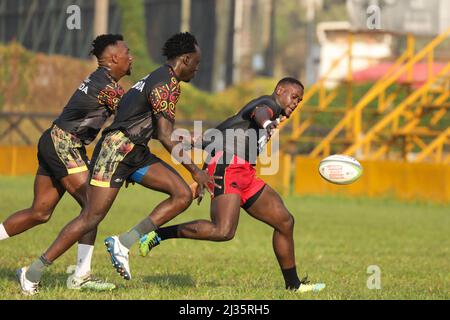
[63, 164]
[147, 110]
[241, 188]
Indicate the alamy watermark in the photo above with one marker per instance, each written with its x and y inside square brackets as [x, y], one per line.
[239, 146]
[373, 17]
[374, 280]
[73, 21]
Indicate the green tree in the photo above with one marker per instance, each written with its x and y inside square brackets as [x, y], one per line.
[133, 29]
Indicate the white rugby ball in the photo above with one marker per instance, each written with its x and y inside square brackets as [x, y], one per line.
[340, 169]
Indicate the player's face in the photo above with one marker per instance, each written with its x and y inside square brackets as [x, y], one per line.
[192, 63]
[290, 95]
[124, 58]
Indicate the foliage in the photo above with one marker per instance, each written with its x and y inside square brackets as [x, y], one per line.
[134, 34]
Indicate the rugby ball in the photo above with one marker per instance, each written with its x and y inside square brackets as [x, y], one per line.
[340, 169]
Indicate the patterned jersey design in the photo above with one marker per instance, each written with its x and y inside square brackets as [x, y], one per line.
[95, 100]
[148, 100]
[110, 96]
[164, 99]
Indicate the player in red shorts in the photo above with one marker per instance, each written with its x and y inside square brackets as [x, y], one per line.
[241, 188]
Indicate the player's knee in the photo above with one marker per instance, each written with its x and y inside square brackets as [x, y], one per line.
[287, 224]
[225, 235]
[90, 219]
[291, 222]
[41, 215]
[183, 198]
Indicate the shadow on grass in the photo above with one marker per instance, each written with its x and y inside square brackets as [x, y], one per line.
[50, 279]
[171, 280]
[8, 274]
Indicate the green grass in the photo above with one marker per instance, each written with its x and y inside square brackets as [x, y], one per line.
[336, 240]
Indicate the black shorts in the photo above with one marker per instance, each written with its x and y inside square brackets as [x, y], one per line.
[116, 158]
[60, 154]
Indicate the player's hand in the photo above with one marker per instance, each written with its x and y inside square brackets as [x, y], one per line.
[194, 190]
[270, 128]
[203, 181]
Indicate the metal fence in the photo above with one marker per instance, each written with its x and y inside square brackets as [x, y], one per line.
[25, 128]
[40, 25]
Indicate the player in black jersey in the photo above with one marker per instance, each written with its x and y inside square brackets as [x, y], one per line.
[240, 188]
[63, 164]
[145, 111]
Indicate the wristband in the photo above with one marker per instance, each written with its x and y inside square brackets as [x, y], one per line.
[266, 124]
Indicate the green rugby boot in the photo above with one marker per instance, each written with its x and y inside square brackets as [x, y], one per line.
[147, 242]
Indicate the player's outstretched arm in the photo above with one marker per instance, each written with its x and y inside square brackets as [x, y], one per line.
[262, 116]
[165, 129]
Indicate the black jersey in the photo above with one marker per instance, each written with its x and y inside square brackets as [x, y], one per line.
[90, 106]
[241, 135]
[153, 97]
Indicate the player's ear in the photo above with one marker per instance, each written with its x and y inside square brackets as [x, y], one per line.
[279, 90]
[186, 59]
[114, 58]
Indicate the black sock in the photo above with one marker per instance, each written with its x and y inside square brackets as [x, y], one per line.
[291, 278]
[168, 232]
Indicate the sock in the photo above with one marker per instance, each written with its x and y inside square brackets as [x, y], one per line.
[168, 232]
[127, 239]
[35, 270]
[291, 279]
[3, 233]
[84, 258]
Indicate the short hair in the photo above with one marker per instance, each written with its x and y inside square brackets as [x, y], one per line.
[291, 81]
[179, 44]
[102, 41]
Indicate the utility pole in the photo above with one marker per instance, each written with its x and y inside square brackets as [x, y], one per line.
[270, 51]
[101, 17]
[185, 15]
[310, 28]
[223, 11]
[238, 38]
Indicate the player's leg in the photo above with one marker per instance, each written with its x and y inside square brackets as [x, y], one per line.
[67, 158]
[47, 193]
[158, 176]
[100, 201]
[77, 184]
[161, 177]
[225, 211]
[268, 207]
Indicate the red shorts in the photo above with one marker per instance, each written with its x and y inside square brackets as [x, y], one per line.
[239, 177]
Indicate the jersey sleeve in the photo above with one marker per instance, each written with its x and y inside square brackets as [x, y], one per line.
[273, 110]
[163, 99]
[110, 96]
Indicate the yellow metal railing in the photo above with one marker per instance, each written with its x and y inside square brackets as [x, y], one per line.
[325, 99]
[353, 118]
[364, 143]
[435, 149]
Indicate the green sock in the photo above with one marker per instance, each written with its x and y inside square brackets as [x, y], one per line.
[36, 269]
[127, 239]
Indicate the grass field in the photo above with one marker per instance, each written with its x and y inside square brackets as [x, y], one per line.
[336, 240]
